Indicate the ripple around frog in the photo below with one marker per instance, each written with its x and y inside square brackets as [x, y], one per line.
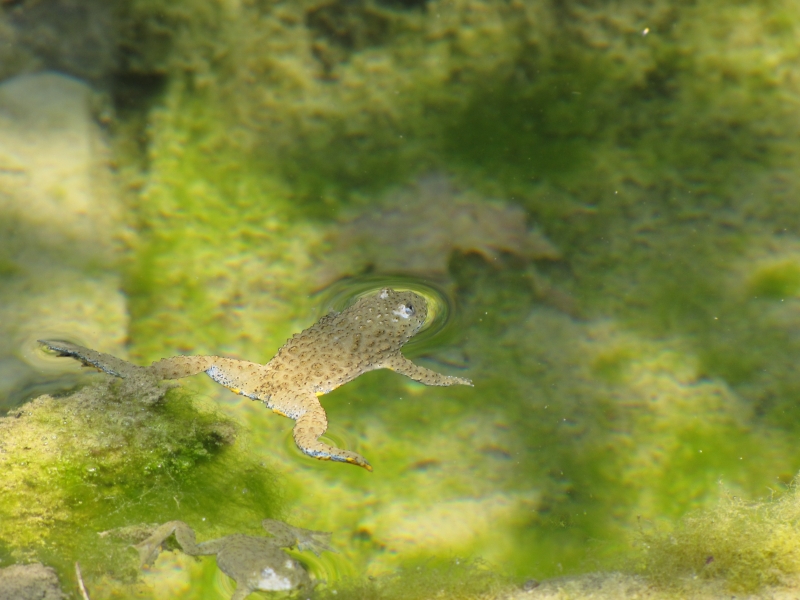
[329, 567]
[43, 359]
[39, 370]
[441, 325]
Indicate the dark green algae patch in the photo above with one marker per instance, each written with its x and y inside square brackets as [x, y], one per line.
[99, 460]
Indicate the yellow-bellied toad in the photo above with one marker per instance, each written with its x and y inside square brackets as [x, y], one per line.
[338, 348]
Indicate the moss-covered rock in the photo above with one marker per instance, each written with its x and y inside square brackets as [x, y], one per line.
[61, 227]
[101, 459]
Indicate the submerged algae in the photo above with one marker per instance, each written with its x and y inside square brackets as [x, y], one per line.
[221, 249]
[747, 546]
[456, 578]
[60, 226]
[648, 140]
[650, 440]
[101, 459]
[734, 546]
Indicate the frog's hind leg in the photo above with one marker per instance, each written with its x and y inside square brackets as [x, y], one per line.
[240, 376]
[149, 549]
[105, 362]
[310, 423]
[179, 367]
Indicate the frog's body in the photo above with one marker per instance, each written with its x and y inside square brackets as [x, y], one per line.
[255, 563]
[338, 348]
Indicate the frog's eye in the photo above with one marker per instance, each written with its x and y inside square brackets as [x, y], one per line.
[404, 311]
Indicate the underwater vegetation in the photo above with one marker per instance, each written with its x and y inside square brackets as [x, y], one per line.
[61, 224]
[747, 546]
[424, 224]
[453, 578]
[616, 237]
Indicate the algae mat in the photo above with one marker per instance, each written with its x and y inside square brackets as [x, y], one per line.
[632, 342]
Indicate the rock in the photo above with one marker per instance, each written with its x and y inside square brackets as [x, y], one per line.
[29, 582]
[416, 230]
[60, 221]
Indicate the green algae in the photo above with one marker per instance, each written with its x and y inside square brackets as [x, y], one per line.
[776, 281]
[645, 158]
[745, 545]
[101, 459]
[451, 578]
[216, 232]
[651, 439]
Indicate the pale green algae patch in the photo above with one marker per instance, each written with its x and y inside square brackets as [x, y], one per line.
[220, 248]
[451, 578]
[257, 133]
[734, 548]
[658, 164]
[747, 546]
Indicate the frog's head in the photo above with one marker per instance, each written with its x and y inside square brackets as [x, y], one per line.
[406, 311]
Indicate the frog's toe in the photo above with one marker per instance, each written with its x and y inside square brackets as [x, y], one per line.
[315, 541]
[309, 426]
[324, 452]
[356, 459]
[100, 360]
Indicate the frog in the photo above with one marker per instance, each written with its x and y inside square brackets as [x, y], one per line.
[338, 348]
[254, 563]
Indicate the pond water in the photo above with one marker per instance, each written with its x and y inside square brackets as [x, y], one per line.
[596, 200]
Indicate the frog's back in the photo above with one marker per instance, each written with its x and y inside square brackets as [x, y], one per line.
[342, 346]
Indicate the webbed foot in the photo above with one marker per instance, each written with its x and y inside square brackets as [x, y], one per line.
[311, 424]
[100, 360]
[288, 536]
[149, 549]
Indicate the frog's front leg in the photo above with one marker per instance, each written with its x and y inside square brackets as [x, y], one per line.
[400, 364]
[310, 423]
[287, 536]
